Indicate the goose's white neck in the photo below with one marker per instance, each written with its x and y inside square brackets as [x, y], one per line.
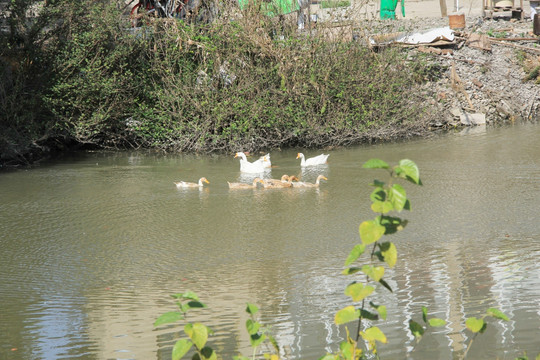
[242, 156]
[302, 159]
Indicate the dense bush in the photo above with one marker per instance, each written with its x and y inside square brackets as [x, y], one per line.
[245, 81]
[24, 74]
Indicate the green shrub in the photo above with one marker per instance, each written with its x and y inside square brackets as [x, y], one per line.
[250, 82]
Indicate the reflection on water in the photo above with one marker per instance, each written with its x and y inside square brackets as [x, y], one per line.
[93, 245]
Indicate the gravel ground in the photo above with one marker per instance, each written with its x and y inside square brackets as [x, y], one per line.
[470, 80]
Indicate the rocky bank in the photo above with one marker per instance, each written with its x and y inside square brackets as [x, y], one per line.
[486, 74]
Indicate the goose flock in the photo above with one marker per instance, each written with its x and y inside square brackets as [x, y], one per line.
[262, 165]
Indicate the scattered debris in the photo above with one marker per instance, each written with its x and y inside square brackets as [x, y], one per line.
[438, 36]
[488, 78]
[479, 41]
[457, 85]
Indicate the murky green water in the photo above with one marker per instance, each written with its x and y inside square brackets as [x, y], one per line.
[93, 245]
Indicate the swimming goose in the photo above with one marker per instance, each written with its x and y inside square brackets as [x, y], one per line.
[285, 182]
[185, 184]
[317, 160]
[266, 160]
[244, 185]
[301, 184]
[247, 167]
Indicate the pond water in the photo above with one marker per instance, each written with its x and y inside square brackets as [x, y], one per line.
[93, 245]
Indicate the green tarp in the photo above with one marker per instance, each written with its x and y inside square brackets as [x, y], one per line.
[272, 7]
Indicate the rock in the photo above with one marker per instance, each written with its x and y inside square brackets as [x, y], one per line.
[456, 112]
[472, 119]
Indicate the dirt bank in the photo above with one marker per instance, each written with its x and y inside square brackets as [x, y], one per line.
[481, 72]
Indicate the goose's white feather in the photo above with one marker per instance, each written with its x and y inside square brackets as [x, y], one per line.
[314, 161]
[247, 167]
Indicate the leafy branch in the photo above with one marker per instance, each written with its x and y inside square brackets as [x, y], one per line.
[196, 332]
[386, 197]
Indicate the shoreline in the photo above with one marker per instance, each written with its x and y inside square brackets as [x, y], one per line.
[460, 79]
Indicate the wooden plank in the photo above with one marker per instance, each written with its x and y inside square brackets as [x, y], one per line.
[516, 39]
[526, 48]
[444, 11]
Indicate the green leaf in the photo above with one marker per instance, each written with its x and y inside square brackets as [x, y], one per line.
[392, 224]
[397, 196]
[350, 271]
[252, 326]
[436, 322]
[187, 295]
[407, 205]
[257, 339]
[410, 171]
[375, 164]
[184, 308]
[424, 313]
[195, 304]
[385, 284]
[389, 253]
[475, 325]
[371, 231]
[496, 313]
[347, 349]
[381, 309]
[180, 349]
[368, 315]
[378, 194]
[198, 333]
[346, 315]
[355, 254]
[358, 291]
[374, 272]
[252, 309]
[168, 317]
[416, 329]
[374, 334]
[382, 207]
[208, 353]
[378, 183]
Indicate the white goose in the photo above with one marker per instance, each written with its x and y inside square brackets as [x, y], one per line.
[314, 161]
[185, 184]
[266, 160]
[247, 167]
[301, 184]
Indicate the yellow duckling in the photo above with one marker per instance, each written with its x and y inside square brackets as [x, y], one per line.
[185, 184]
[285, 182]
[301, 184]
[244, 185]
